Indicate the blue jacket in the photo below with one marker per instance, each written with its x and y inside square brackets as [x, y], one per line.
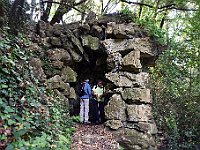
[87, 89]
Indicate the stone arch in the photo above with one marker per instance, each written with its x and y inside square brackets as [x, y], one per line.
[117, 52]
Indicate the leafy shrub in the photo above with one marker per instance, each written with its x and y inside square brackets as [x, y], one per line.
[126, 15]
[31, 116]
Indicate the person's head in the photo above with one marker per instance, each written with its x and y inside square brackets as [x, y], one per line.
[87, 80]
[100, 83]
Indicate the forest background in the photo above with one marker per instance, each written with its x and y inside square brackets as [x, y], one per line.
[175, 80]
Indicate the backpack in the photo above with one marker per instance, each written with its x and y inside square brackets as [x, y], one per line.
[81, 90]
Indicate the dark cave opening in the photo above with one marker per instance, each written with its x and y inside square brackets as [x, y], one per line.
[95, 70]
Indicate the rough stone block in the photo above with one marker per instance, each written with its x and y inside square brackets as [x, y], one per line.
[115, 108]
[139, 113]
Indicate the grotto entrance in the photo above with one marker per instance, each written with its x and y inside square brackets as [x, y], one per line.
[94, 68]
[77, 51]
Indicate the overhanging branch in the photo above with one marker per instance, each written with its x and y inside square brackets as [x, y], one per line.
[67, 5]
[137, 3]
[167, 7]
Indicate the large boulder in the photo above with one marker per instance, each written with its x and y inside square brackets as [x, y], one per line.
[36, 64]
[131, 62]
[66, 91]
[57, 30]
[55, 41]
[75, 41]
[122, 30]
[142, 45]
[72, 94]
[127, 79]
[58, 54]
[133, 95]
[97, 31]
[139, 113]
[115, 110]
[145, 127]
[114, 124]
[75, 56]
[134, 140]
[66, 42]
[68, 75]
[56, 83]
[90, 42]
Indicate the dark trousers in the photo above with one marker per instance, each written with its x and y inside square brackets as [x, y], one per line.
[98, 111]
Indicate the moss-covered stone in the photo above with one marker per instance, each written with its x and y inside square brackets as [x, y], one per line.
[91, 42]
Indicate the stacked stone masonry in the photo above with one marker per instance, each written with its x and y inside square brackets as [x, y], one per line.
[128, 111]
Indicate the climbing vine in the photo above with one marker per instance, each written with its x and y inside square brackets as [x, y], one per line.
[31, 116]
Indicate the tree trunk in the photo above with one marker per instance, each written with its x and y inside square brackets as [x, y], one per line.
[140, 11]
[156, 9]
[33, 3]
[46, 12]
[16, 16]
[163, 20]
[62, 9]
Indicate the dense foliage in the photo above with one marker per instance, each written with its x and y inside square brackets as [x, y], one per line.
[175, 81]
[31, 116]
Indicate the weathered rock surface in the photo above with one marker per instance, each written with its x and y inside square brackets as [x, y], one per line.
[56, 83]
[116, 108]
[127, 79]
[68, 74]
[131, 62]
[37, 69]
[90, 42]
[139, 113]
[114, 124]
[58, 54]
[136, 95]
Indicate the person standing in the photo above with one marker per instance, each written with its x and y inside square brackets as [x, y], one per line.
[84, 102]
[98, 93]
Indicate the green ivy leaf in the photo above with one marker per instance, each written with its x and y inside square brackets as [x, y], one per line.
[3, 86]
[18, 118]
[5, 70]
[3, 80]
[27, 125]
[9, 147]
[20, 133]
[8, 109]
[1, 102]
[11, 122]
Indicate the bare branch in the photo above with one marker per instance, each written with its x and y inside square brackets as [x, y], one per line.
[137, 3]
[106, 6]
[167, 7]
[83, 1]
[66, 6]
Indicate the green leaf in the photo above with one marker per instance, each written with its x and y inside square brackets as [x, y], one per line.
[5, 70]
[27, 125]
[1, 102]
[3, 80]
[8, 109]
[20, 133]
[11, 122]
[10, 147]
[3, 86]
[18, 118]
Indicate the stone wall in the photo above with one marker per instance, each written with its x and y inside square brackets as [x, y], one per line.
[117, 52]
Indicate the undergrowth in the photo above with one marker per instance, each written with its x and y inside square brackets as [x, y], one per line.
[31, 117]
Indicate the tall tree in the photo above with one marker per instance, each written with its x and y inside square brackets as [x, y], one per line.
[16, 16]
[64, 7]
[4, 7]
